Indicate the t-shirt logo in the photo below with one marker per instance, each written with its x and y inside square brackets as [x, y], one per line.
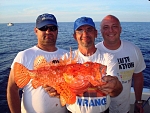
[125, 63]
[126, 68]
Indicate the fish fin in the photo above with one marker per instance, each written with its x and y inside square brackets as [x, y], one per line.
[71, 59]
[75, 59]
[66, 95]
[39, 62]
[67, 60]
[72, 98]
[64, 60]
[36, 83]
[68, 78]
[21, 75]
[62, 100]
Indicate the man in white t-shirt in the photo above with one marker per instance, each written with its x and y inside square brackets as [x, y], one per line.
[92, 100]
[38, 100]
[131, 64]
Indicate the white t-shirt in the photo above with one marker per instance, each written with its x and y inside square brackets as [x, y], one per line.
[38, 100]
[94, 103]
[130, 61]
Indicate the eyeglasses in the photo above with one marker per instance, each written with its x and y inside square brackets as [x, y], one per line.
[80, 31]
[45, 28]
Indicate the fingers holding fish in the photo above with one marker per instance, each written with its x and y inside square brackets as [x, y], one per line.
[50, 90]
[111, 82]
[54, 94]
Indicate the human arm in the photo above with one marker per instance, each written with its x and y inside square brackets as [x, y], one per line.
[138, 81]
[113, 86]
[13, 97]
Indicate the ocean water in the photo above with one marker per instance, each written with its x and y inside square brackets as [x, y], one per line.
[21, 36]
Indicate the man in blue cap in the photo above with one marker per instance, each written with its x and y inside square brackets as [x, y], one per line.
[95, 99]
[37, 100]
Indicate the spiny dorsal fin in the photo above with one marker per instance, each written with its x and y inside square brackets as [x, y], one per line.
[39, 62]
[64, 60]
[70, 59]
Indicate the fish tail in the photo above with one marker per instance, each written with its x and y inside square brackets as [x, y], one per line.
[21, 75]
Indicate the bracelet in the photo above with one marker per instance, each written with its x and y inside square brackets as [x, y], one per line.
[139, 101]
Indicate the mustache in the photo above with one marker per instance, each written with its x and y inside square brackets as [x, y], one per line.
[49, 34]
[84, 37]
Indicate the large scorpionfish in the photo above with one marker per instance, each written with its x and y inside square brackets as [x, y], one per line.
[66, 76]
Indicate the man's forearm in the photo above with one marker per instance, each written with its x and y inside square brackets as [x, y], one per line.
[14, 103]
[138, 86]
[13, 100]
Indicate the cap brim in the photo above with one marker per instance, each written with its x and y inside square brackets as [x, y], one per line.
[83, 24]
[46, 22]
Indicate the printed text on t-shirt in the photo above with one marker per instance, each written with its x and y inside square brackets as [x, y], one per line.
[125, 63]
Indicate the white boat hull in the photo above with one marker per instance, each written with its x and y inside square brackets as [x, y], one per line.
[10, 24]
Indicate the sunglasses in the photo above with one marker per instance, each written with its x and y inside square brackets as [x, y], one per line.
[45, 28]
[80, 31]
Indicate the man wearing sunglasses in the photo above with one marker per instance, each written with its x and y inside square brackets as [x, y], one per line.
[38, 100]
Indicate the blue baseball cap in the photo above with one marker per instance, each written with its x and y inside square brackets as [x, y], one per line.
[45, 19]
[83, 21]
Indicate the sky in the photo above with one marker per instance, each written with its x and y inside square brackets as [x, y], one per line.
[26, 11]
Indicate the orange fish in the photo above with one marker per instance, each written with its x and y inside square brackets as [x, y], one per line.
[45, 73]
[80, 76]
[66, 76]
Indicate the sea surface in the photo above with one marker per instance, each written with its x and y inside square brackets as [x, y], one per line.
[21, 36]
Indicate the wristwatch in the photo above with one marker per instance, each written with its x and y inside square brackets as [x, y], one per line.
[139, 101]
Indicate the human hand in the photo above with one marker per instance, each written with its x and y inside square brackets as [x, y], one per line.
[50, 90]
[138, 108]
[110, 84]
[113, 86]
